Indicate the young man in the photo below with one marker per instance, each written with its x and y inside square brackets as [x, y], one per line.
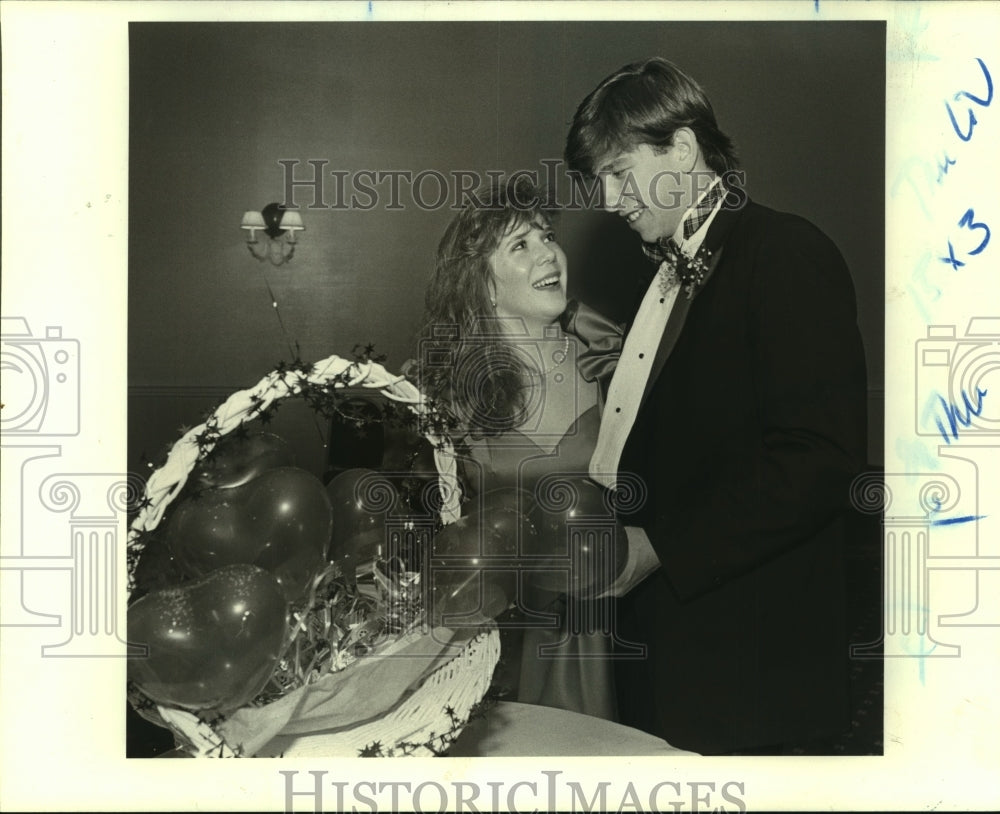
[739, 402]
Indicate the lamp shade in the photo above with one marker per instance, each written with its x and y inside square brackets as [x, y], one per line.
[291, 220]
[252, 220]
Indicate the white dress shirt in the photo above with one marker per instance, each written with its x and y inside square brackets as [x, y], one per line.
[625, 392]
[632, 374]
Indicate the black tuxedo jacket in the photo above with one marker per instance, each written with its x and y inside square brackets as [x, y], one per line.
[747, 442]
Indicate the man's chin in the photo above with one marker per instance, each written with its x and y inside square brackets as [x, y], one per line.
[648, 235]
[651, 228]
[647, 229]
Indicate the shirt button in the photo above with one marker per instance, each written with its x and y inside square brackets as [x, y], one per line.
[642, 355]
[661, 300]
[618, 409]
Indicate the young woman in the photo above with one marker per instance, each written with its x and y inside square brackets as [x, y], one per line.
[520, 369]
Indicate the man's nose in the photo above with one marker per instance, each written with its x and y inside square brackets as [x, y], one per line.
[610, 194]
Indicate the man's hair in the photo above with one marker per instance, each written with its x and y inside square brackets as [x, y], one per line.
[645, 103]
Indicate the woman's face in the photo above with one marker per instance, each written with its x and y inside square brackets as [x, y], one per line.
[529, 273]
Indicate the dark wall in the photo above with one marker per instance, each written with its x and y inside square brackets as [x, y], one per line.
[214, 107]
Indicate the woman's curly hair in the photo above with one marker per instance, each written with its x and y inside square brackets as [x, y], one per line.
[467, 363]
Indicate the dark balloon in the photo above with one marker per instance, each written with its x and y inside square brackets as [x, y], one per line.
[213, 643]
[580, 545]
[496, 526]
[279, 521]
[359, 549]
[413, 471]
[157, 568]
[463, 597]
[360, 500]
[237, 460]
[474, 560]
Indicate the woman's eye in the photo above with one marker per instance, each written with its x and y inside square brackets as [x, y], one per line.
[517, 245]
[550, 237]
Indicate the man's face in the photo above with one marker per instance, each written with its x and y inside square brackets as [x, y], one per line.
[648, 188]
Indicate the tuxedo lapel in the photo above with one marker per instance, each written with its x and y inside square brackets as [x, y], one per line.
[714, 242]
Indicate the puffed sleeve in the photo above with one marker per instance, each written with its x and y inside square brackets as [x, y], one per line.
[601, 337]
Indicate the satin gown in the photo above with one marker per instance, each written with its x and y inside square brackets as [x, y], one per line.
[554, 650]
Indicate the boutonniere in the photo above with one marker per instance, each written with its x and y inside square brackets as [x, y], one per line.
[689, 272]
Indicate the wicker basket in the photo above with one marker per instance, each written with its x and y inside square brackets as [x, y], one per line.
[426, 718]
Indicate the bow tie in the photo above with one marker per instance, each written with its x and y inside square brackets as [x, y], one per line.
[667, 249]
[666, 253]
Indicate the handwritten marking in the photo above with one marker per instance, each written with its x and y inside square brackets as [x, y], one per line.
[914, 170]
[956, 264]
[967, 220]
[943, 167]
[967, 135]
[921, 651]
[916, 457]
[954, 521]
[955, 415]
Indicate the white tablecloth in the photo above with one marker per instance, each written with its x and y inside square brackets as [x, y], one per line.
[525, 730]
[522, 730]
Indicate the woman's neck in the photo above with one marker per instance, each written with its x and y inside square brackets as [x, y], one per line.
[521, 328]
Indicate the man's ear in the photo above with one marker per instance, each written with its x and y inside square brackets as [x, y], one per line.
[686, 148]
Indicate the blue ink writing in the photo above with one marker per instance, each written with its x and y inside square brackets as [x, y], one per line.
[916, 458]
[943, 168]
[953, 521]
[989, 88]
[967, 220]
[956, 417]
[956, 264]
[967, 134]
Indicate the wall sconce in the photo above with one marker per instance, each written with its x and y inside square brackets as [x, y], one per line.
[279, 226]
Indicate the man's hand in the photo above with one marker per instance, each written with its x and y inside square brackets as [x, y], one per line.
[642, 561]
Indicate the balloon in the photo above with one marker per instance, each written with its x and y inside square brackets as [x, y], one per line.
[412, 470]
[474, 559]
[470, 593]
[361, 548]
[157, 568]
[496, 526]
[580, 546]
[213, 643]
[280, 521]
[237, 460]
[360, 500]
